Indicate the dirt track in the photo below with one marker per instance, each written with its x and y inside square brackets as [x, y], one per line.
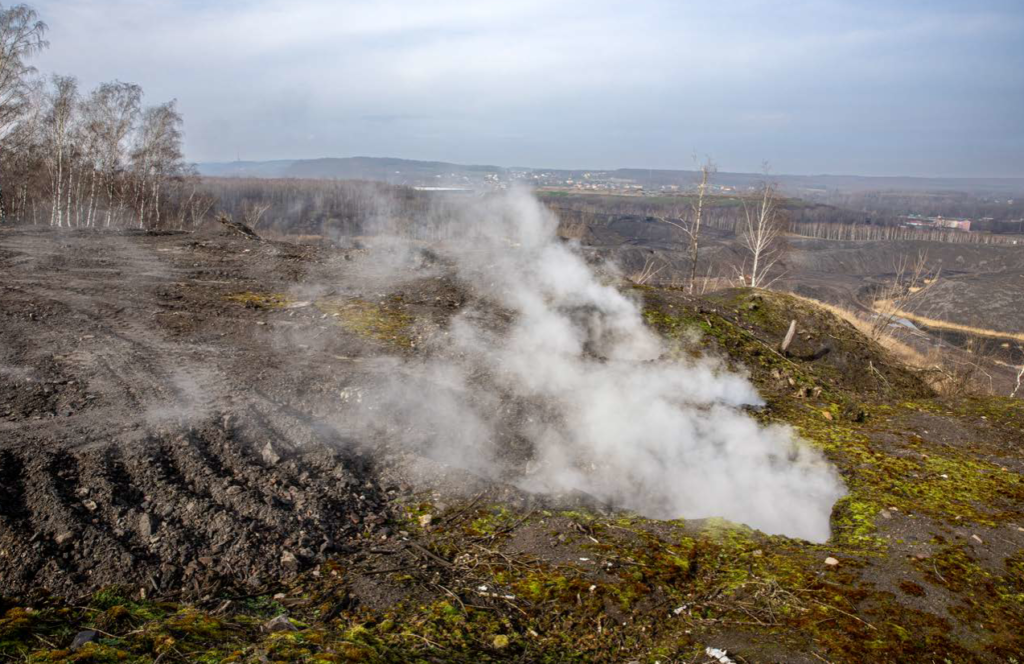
[152, 432]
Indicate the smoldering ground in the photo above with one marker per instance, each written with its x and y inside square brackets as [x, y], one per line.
[556, 362]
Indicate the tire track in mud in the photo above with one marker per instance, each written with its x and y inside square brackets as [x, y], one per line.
[179, 474]
[15, 513]
[63, 527]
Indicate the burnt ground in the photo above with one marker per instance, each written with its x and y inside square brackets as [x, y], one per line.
[178, 465]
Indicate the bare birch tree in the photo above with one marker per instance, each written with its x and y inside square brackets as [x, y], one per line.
[157, 156]
[59, 134]
[691, 228]
[761, 237]
[111, 114]
[21, 36]
[706, 170]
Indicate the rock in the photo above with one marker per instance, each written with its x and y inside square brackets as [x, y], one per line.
[855, 413]
[145, 526]
[831, 562]
[83, 637]
[90, 505]
[63, 537]
[721, 655]
[280, 624]
[885, 514]
[270, 455]
[289, 560]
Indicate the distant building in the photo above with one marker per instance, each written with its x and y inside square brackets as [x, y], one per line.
[917, 221]
[957, 224]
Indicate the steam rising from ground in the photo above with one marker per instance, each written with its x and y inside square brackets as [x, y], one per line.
[590, 388]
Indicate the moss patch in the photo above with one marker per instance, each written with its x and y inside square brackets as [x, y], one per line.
[384, 321]
[260, 300]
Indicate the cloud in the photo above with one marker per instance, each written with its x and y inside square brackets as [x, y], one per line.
[637, 85]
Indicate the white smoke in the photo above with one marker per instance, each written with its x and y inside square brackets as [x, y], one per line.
[602, 406]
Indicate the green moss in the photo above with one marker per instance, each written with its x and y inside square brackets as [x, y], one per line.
[385, 322]
[260, 300]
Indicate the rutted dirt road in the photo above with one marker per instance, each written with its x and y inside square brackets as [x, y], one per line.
[153, 432]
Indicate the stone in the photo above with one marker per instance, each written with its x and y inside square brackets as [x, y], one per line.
[280, 624]
[289, 560]
[270, 455]
[145, 526]
[83, 637]
[831, 562]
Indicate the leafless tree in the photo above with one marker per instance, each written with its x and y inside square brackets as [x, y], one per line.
[157, 156]
[63, 100]
[650, 270]
[111, 114]
[706, 170]
[21, 36]
[761, 237]
[691, 228]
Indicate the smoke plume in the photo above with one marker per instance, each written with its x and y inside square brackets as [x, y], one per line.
[575, 377]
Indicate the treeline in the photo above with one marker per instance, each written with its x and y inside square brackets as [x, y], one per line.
[99, 159]
[332, 208]
[832, 231]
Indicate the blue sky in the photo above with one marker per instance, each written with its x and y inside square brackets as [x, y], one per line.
[827, 86]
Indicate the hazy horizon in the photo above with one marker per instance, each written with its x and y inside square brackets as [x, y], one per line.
[922, 89]
[773, 172]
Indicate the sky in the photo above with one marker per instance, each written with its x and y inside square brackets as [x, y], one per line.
[872, 87]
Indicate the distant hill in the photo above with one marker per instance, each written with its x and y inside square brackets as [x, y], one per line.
[438, 173]
[381, 169]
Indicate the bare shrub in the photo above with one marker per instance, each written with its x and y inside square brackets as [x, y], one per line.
[650, 270]
[957, 374]
[253, 213]
[910, 287]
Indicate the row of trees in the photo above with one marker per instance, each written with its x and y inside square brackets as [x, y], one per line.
[862, 232]
[86, 160]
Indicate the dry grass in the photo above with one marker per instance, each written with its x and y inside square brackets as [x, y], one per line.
[887, 340]
[952, 327]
